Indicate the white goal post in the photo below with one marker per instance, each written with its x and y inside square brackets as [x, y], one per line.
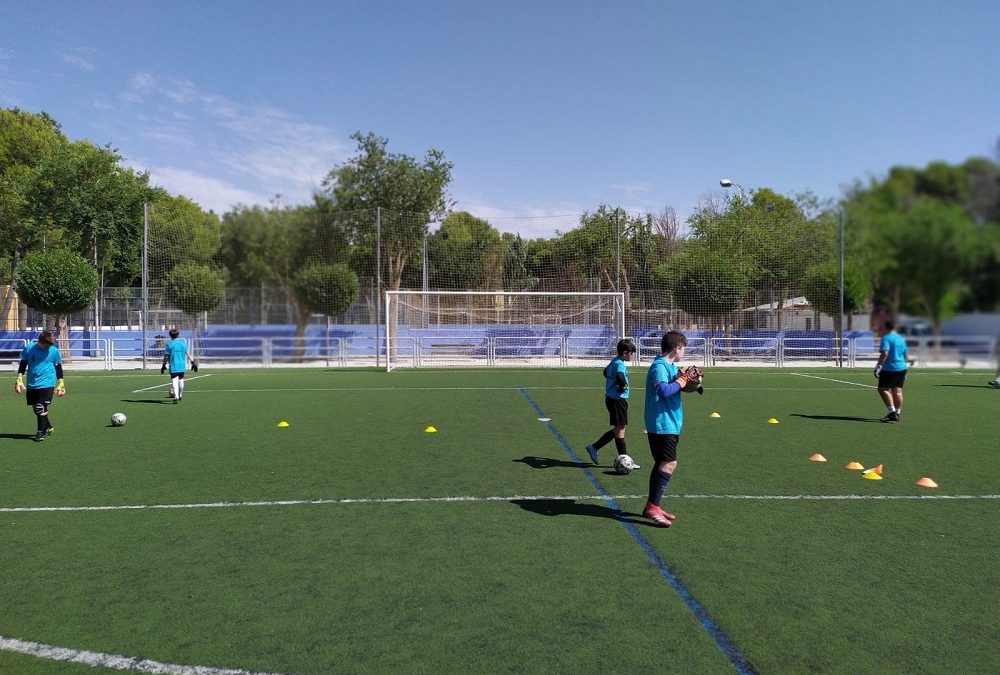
[500, 328]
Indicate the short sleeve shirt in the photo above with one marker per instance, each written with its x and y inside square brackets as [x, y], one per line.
[895, 345]
[42, 364]
[175, 351]
[616, 366]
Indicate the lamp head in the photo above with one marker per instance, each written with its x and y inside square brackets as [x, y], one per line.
[725, 182]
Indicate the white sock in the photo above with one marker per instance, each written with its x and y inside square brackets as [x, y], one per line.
[175, 385]
[890, 409]
[180, 387]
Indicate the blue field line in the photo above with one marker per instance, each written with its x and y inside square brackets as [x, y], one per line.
[730, 650]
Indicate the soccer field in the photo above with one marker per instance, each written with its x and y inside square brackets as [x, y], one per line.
[201, 537]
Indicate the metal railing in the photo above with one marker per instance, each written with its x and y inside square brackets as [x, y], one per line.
[497, 351]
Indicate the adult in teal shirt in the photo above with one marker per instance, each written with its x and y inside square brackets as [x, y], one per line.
[42, 363]
[891, 371]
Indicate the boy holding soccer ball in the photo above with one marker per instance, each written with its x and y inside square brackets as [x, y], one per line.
[664, 417]
[42, 363]
[176, 356]
[616, 401]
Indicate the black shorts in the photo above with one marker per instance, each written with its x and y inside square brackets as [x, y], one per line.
[617, 411]
[891, 379]
[43, 396]
[180, 375]
[663, 446]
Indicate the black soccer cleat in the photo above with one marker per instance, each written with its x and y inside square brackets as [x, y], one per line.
[891, 417]
[39, 437]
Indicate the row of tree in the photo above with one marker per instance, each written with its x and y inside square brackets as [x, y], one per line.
[924, 241]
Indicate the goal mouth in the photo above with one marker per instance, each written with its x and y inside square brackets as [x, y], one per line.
[500, 328]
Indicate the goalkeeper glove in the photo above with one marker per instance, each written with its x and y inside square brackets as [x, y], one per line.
[194, 366]
[877, 371]
[60, 387]
[163, 369]
[19, 385]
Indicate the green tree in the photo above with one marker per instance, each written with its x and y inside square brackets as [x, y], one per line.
[271, 245]
[56, 282]
[405, 193]
[410, 194]
[767, 242]
[821, 287]
[25, 140]
[180, 231]
[325, 289]
[703, 284]
[465, 253]
[81, 197]
[927, 238]
[194, 288]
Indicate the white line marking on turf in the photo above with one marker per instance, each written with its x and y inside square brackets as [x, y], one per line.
[830, 379]
[167, 384]
[485, 498]
[115, 661]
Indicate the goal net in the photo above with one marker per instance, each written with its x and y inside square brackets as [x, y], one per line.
[496, 328]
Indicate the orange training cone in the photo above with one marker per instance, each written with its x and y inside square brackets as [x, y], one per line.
[926, 482]
[875, 469]
[855, 466]
[817, 458]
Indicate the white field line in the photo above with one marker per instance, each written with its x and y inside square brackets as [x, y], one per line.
[408, 389]
[115, 661]
[167, 384]
[486, 498]
[830, 379]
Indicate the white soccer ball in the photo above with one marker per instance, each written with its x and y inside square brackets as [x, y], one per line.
[118, 419]
[624, 464]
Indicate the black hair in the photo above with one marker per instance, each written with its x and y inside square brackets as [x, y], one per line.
[890, 324]
[625, 346]
[174, 332]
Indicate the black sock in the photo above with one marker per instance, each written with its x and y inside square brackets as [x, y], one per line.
[41, 421]
[604, 440]
[657, 484]
[620, 445]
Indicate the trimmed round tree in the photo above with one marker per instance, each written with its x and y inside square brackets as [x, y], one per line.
[56, 282]
[325, 289]
[194, 288]
[322, 289]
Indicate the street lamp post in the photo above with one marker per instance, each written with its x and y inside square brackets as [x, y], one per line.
[726, 183]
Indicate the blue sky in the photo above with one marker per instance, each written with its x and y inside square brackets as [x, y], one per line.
[546, 108]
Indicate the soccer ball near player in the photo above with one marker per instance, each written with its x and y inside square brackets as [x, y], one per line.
[624, 465]
[118, 419]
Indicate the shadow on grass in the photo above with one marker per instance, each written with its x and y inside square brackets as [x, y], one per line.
[837, 418]
[966, 386]
[550, 463]
[26, 437]
[568, 507]
[148, 400]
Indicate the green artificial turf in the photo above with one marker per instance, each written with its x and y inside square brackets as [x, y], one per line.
[485, 546]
